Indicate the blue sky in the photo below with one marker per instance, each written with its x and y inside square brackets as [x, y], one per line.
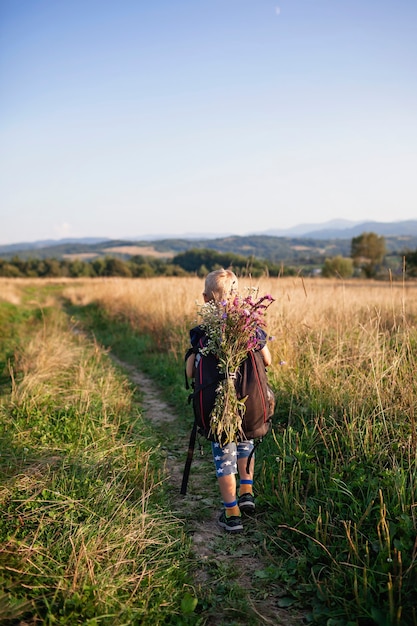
[126, 118]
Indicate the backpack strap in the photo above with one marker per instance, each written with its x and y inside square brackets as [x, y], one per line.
[252, 452]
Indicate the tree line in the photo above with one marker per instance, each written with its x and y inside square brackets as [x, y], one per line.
[367, 259]
[191, 262]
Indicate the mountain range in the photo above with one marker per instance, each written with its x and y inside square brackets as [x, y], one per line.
[299, 242]
[344, 229]
[333, 229]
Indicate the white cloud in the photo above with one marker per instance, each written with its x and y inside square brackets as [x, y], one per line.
[277, 10]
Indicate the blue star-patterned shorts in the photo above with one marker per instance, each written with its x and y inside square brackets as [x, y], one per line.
[226, 458]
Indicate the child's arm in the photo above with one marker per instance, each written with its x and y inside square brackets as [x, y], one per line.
[189, 366]
[264, 350]
[266, 355]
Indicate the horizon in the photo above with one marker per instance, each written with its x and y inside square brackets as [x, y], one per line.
[174, 117]
[298, 230]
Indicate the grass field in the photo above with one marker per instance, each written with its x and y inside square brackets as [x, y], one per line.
[87, 535]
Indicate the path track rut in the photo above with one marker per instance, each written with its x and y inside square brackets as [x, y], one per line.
[211, 546]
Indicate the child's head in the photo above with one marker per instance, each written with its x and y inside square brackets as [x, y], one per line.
[219, 285]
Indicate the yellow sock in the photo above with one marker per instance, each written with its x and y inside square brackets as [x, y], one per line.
[232, 509]
[245, 489]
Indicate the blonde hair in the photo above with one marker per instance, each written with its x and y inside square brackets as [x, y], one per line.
[219, 285]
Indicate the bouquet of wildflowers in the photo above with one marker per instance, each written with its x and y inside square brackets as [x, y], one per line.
[232, 327]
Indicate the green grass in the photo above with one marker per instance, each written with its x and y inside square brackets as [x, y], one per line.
[136, 349]
[86, 534]
[337, 482]
[224, 599]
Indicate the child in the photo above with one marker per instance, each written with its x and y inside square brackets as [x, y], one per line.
[231, 458]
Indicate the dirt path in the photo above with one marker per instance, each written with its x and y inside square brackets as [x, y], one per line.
[239, 557]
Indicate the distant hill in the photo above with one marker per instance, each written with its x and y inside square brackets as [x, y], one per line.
[344, 229]
[302, 230]
[288, 250]
[307, 246]
[394, 229]
[17, 248]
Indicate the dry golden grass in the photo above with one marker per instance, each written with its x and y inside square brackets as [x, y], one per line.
[348, 342]
[301, 306]
[9, 291]
[140, 250]
[305, 297]
[77, 517]
[354, 335]
[13, 290]
[348, 388]
[56, 365]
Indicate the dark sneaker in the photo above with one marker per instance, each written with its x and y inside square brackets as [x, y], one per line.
[246, 503]
[232, 524]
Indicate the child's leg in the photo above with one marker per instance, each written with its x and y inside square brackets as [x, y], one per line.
[226, 467]
[246, 501]
[244, 449]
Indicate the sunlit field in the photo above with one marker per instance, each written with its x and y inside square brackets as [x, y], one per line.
[343, 469]
[359, 329]
[337, 479]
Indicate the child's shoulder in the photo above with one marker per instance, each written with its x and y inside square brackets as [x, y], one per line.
[196, 334]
